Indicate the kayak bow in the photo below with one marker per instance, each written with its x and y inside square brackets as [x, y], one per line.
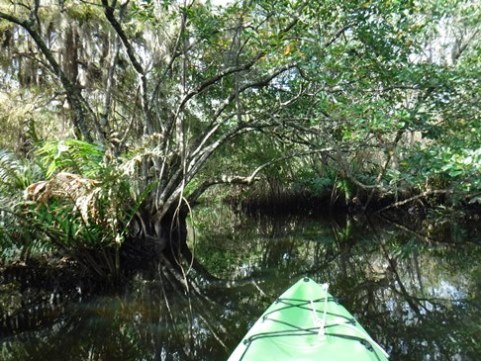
[307, 324]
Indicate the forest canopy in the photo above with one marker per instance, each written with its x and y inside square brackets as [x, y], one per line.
[124, 113]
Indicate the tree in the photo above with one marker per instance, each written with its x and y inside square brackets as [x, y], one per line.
[163, 87]
[193, 76]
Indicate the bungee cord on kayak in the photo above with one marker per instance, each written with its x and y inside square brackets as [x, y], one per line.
[317, 321]
[312, 325]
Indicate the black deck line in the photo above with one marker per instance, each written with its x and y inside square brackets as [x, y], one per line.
[299, 331]
[350, 322]
[304, 306]
[365, 342]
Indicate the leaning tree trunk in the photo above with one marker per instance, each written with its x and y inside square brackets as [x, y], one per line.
[153, 235]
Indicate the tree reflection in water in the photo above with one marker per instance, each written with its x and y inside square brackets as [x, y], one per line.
[419, 296]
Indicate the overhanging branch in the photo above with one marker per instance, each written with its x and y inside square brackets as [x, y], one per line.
[78, 103]
[213, 127]
[215, 79]
[109, 14]
[239, 180]
[249, 180]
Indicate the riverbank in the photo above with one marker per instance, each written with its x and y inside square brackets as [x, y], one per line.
[399, 282]
[290, 199]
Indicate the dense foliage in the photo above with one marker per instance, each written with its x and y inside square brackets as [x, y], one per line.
[133, 109]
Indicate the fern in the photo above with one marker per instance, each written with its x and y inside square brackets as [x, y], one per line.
[71, 155]
[92, 212]
[14, 174]
[15, 230]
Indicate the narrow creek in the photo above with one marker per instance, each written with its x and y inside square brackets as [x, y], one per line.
[417, 292]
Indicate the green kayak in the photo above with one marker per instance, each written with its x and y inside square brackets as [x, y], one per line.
[305, 324]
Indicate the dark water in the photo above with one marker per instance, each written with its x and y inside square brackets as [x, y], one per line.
[417, 292]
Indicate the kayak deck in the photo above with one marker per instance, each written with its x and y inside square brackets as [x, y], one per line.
[306, 323]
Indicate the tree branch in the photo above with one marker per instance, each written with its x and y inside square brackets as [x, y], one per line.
[213, 127]
[413, 198]
[239, 180]
[338, 34]
[73, 93]
[110, 82]
[251, 178]
[215, 79]
[109, 14]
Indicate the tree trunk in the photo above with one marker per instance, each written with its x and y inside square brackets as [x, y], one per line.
[70, 54]
[152, 236]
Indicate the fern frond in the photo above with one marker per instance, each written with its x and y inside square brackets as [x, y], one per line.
[71, 155]
[13, 173]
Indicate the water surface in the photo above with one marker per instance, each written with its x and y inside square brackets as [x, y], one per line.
[416, 288]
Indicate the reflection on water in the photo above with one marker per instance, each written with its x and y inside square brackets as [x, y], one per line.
[419, 296]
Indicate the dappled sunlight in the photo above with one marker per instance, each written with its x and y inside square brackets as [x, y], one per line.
[344, 136]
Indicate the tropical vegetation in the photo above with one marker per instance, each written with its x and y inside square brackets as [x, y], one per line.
[118, 117]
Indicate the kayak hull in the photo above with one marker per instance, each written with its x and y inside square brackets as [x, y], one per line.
[305, 324]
